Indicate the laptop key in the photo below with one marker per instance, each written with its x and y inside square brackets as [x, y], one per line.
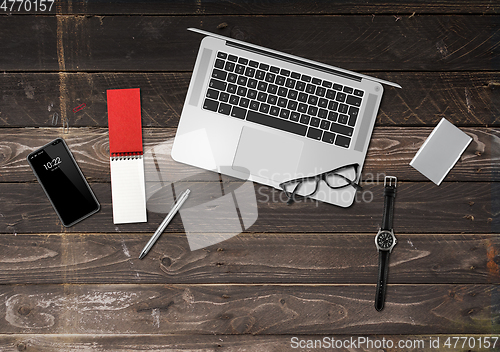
[219, 74]
[302, 107]
[260, 75]
[352, 100]
[300, 86]
[358, 93]
[274, 111]
[282, 102]
[314, 122]
[274, 69]
[215, 83]
[312, 110]
[252, 94]
[337, 86]
[232, 78]
[229, 66]
[252, 83]
[292, 94]
[330, 94]
[224, 97]
[249, 72]
[322, 102]
[212, 93]
[262, 86]
[264, 108]
[310, 89]
[244, 102]
[348, 90]
[342, 141]
[345, 130]
[253, 64]
[239, 69]
[233, 58]
[343, 119]
[292, 105]
[328, 137]
[231, 88]
[224, 108]
[282, 91]
[234, 100]
[296, 75]
[254, 105]
[238, 112]
[333, 116]
[284, 113]
[322, 113]
[294, 116]
[264, 67]
[314, 133]
[272, 88]
[324, 125]
[221, 54]
[243, 61]
[219, 63]
[271, 99]
[290, 83]
[284, 125]
[305, 119]
[211, 105]
[343, 109]
[262, 96]
[340, 97]
[280, 80]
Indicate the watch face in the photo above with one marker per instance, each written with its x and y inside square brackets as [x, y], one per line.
[385, 240]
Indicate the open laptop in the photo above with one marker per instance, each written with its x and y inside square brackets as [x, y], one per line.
[270, 117]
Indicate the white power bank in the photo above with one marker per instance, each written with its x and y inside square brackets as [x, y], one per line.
[440, 151]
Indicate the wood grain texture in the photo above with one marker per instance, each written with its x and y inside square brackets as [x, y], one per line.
[247, 259]
[421, 207]
[236, 343]
[390, 152]
[248, 309]
[162, 43]
[37, 99]
[225, 7]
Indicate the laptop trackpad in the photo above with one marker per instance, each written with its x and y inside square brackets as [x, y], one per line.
[268, 155]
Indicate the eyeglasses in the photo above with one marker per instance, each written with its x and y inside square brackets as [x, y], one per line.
[310, 185]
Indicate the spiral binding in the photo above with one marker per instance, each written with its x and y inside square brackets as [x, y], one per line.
[126, 157]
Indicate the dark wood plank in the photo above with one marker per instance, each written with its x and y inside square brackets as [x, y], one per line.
[247, 258]
[324, 7]
[422, 207]
[391, 150]
[245, 309]
[44, 100]
[162, 43]
[275, 343]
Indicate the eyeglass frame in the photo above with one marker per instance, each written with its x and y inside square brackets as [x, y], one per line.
[318, 178]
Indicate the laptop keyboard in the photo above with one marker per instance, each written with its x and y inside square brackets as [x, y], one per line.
[289, 101]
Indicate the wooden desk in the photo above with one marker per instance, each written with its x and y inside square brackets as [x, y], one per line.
[305, 271]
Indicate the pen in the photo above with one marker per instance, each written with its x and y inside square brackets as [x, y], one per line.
[165, 222]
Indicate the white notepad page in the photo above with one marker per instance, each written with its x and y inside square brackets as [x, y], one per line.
[127, 189]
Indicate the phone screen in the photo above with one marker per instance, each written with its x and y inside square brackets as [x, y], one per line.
[63, 182]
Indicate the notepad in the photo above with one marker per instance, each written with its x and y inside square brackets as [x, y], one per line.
[128, 190]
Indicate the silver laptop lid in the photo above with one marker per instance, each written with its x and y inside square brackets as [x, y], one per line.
[296, 59]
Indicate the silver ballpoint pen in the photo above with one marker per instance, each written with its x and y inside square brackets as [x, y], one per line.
[165, 222]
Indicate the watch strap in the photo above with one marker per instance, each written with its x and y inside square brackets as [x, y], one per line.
[389, 197]
[383, 270]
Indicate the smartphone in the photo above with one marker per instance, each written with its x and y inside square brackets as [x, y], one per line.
[63, 182]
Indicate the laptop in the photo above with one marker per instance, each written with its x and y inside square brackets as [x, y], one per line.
[270, 117]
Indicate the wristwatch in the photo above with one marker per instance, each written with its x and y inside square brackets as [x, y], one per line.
[385, 240]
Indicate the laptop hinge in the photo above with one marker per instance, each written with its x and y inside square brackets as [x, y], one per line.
[294, 61]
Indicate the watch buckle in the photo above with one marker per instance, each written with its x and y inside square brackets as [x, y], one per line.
[388, 181]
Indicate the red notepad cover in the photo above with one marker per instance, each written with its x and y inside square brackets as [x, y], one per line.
[124, 122]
